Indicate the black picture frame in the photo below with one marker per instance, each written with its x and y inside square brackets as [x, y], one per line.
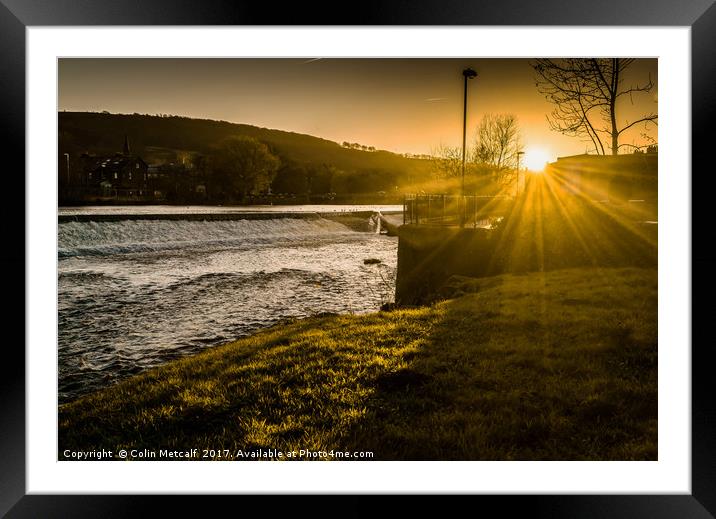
[699, 15]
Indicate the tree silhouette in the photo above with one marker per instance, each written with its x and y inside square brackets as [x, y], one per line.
[242, 165]
[586, 93]
[446, 161]
[498, 142]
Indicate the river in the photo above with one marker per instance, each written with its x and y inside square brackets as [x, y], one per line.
[136, 289]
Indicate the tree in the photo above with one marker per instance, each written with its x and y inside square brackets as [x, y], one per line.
[498, 141]
[587, 94]
[290, 178]
[241, 165]
[321, 177]
[446, 161]
[498, 144]
[494, 150]
[303, 179]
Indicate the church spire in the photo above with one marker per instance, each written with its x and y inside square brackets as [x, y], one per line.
[125, 150]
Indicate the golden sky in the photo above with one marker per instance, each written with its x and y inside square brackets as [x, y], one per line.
[401, 105]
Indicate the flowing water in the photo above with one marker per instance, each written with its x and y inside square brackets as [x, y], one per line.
[133, 294]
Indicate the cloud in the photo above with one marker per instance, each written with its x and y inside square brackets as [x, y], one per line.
[433, 99]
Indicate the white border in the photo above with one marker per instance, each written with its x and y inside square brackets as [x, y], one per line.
[671, 474]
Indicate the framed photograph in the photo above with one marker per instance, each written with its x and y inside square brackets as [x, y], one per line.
[428, 248]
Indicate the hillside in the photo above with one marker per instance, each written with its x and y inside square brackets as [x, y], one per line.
[151, 136]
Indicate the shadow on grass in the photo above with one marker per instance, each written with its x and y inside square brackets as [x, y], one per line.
[549, 377]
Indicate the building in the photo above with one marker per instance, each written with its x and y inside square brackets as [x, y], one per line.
[120, 176]
[631, 176]
[126, 177]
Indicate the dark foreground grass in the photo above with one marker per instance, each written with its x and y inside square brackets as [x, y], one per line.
[545, 366]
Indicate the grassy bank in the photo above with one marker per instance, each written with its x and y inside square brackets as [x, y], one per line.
[559, 365]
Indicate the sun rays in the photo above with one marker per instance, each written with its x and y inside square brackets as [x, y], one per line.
[560, 221]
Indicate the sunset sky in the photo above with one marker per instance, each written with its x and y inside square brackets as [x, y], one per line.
[401, 105]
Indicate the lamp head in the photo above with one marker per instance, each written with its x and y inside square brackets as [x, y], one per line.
[469, 73]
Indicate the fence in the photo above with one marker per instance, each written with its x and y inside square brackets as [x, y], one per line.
[453, 210]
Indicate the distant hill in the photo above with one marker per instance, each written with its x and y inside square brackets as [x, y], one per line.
[158, 138]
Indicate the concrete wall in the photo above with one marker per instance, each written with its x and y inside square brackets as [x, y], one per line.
[429, 255]
[614, 177]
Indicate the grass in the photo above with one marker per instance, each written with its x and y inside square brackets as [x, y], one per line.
[557, 365]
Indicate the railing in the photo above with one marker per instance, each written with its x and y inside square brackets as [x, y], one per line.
[452, 210]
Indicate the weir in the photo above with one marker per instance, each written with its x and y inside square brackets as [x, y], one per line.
[191, 217]
[219, 216]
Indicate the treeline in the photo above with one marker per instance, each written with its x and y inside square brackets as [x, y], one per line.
[240, 168]
[357, 146]
[304, 165]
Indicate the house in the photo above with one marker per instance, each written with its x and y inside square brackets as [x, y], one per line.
[122, 175]
[609, 177]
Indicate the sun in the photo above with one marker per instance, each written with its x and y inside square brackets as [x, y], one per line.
[535, 159]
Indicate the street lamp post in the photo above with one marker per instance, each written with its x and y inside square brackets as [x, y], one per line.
[67, 156]
[67, 187]
[468, 73]
[517, 186]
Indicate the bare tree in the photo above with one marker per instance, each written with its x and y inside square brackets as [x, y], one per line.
[446, 161]
[586, 92]
[497, 144]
